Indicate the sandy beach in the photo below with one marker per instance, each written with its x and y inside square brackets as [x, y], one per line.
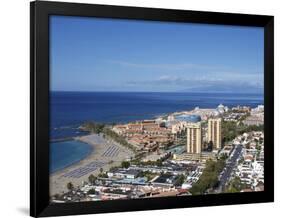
[106, 154]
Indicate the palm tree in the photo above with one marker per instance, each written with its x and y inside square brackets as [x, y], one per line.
[92, 179]
[125, 164]
[91, 191]
[101, 170]
[69, 186]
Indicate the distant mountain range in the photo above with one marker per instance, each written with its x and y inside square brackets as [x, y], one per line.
[226, 88]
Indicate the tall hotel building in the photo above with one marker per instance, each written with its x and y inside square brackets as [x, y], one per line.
[214, 132]
[194, 138]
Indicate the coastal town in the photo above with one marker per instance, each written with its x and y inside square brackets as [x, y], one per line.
[195, 152]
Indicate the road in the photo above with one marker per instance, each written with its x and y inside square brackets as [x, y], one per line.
[230, 164]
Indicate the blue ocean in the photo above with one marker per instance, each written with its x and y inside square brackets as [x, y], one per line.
[68, 110]
[66, 153]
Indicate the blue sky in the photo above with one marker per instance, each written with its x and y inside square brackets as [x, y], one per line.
[96, 54]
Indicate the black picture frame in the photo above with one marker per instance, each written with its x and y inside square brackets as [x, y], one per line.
[39, 107]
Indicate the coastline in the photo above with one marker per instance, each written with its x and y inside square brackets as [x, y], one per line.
[78, 172]
[96, 159]
[92, 149]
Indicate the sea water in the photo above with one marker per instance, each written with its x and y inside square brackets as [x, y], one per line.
[68, 110]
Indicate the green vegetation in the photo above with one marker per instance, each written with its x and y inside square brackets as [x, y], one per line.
[93, 127]
[158, 163]
[125, 164]
[223, 157]
[180, 180]
[103, 175]
[138, 157]
[209, 177]
[251, 128]
[92, 179]
[230, 129]
[113, 168]
[91, 191]
[70, 186]
[102, 128]
[235, 185]
[117, 138]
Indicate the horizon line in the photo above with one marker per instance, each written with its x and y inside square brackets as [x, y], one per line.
[221, 92]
